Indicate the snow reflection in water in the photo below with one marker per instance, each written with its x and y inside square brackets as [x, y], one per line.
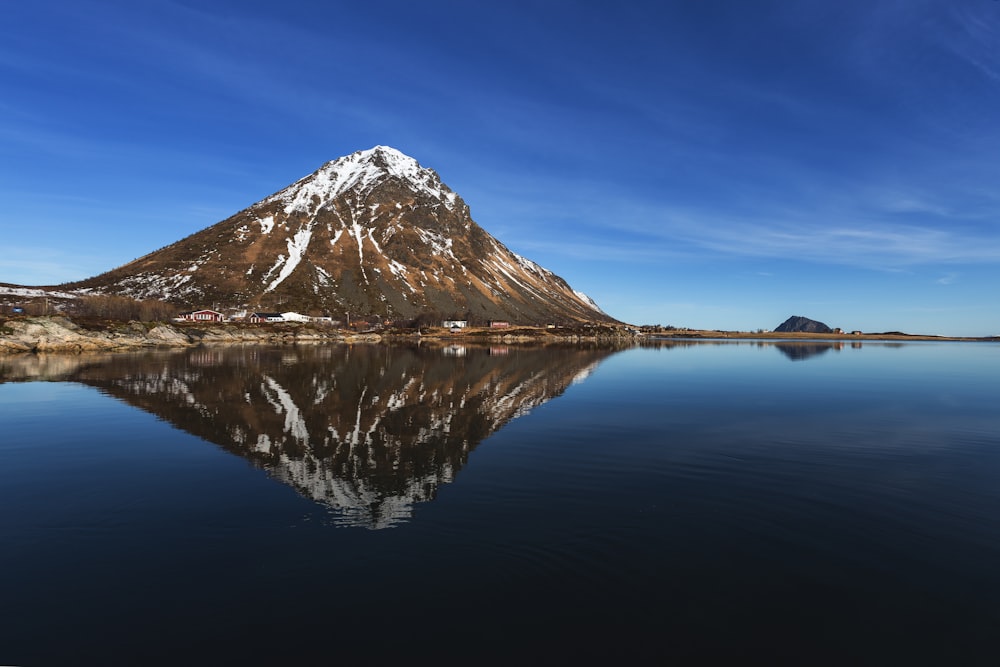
[365, 430]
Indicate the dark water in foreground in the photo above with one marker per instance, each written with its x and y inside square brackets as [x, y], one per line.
[793, 504]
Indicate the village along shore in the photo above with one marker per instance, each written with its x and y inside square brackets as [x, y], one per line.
[43, 334]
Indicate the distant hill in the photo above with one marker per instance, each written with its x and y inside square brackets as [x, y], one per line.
[372, 233]
[799, 324]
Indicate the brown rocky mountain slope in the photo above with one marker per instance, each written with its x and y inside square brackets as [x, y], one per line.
[372, 233]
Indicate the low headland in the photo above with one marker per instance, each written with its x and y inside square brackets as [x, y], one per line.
[804, 336]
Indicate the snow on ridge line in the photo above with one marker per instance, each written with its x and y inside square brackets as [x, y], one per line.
[532, 266]
[545, 274]
[587, 300]
[359, 171]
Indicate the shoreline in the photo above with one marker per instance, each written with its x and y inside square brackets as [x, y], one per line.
[59, 334]
[702, 334]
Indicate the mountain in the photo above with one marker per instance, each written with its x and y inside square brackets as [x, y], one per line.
[372, 233]
[798, 324]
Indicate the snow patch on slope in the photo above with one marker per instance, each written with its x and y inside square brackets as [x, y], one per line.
[34, 292]
[296, 250]
[441, 245]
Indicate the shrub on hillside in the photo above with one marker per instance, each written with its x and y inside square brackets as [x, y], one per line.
[122, 308]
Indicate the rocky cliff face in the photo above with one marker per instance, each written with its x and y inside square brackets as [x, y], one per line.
[369, 233]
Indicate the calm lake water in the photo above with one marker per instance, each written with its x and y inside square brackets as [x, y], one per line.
[679, 503]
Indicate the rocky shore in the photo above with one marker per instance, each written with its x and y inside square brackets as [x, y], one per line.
[59, 334]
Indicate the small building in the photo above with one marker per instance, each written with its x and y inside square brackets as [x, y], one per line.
[202, 316]
[455, 324]
[295, 317]
[259, 318]
[499, 324]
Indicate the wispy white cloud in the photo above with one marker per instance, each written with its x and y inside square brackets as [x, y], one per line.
[596, 251]
[977, 41]
[948, 279]
[873, 245]
[905, 203]
[865, 237]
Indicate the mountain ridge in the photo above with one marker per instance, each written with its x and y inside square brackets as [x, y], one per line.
[371, 233]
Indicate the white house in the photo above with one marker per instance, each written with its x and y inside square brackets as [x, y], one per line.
[258, 318]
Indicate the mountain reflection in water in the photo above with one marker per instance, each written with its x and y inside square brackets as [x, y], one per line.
[803, 351]
[365, 430]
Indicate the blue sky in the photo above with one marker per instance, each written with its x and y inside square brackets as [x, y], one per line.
[717, 164]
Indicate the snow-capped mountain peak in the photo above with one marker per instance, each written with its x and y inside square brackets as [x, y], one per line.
[358, 173]
[371, 233]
